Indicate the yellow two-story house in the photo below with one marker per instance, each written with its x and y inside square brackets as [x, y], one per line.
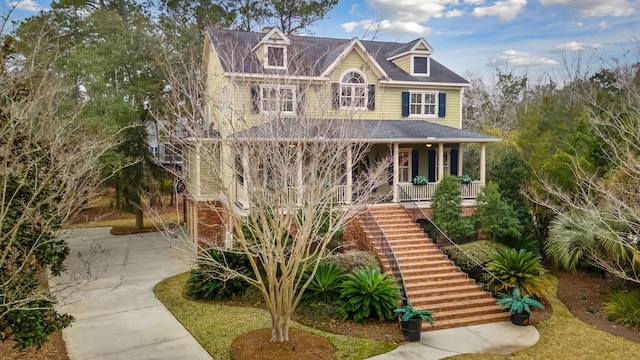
[405, 103]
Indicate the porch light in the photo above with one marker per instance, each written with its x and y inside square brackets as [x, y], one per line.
[429, 145]
[292, 145]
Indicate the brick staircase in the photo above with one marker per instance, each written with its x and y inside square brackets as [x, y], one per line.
[432, 281]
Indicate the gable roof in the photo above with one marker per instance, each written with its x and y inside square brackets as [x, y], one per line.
[312, 56]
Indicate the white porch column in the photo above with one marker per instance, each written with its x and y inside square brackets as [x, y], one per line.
[198, 180]
[349, 189]
[299, 184]
[483, 162]
[460, 151]
[441, 161]
[245, 173]
[396, 171]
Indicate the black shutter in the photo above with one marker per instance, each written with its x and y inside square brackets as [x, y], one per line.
[414, 164]
[453, 163]
[432, 166]
[300, 103]
[255, 100]
[335, 87]
[371, 102]
[442, 105]
[405, 103]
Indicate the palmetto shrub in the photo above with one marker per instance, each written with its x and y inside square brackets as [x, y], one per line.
[519, 268]
[205, 283]
[325, 286]
[624, 308]
[366, 293]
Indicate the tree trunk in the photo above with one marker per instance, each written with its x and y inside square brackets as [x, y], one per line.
[280, 327]
[139, 219]
[155, 202]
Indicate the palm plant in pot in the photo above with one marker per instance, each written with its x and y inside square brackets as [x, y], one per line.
[519, 306]
[412, 321]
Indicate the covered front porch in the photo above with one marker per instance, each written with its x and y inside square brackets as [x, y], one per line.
[421, 154]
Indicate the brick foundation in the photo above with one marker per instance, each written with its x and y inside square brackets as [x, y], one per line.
[207, 222]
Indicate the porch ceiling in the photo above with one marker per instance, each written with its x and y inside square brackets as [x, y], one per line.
[371, 131]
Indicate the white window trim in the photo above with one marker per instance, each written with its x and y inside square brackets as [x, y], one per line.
[278, 89]
[365, 86]
[428, 73]
[409, 167]
[435, 112]
[266, 57]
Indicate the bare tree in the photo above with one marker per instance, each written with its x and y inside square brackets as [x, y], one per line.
[600, 221]
[283, 185]
[48, 172]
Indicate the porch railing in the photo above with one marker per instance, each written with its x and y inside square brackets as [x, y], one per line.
[411, 192]
[289, 195]
[475, 269]
[382, 242]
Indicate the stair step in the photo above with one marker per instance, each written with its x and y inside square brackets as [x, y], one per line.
[461, 304]
[422, 285]
[438, 291]
[434, 276]
[466, 312]
[431, 301]
[471, 320]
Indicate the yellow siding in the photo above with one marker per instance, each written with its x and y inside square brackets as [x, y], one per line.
[318, 97]
[404, 63]
[216, 102]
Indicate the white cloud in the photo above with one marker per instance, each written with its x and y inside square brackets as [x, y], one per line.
[350, 26]
[453, 13]
[520, 58]
[27, 5]
[505, 10]
[354, 10]
[411, 10]
[603, 25]
[569, 46]
[588, 8]
[402, 27]
[473, 2]
[572, 46]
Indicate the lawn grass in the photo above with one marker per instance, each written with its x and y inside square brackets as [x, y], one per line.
[131, 221]
[563, 336]
[216, 326]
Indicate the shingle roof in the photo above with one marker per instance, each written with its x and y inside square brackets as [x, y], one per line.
[375, 131]
[310, 56]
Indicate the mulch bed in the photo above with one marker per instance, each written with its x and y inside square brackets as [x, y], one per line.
[54, 349]
[302, 344]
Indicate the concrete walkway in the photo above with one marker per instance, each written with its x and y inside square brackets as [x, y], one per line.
[497, 338]
[108, 288]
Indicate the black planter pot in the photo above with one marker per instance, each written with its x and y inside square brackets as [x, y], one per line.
[411, 329]
[520, 318]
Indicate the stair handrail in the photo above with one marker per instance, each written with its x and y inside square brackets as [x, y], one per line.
[414, 204]
[370, 222]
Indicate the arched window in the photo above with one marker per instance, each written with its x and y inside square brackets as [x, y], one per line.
[353, 91]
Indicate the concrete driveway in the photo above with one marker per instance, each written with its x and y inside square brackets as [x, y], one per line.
[108, 288]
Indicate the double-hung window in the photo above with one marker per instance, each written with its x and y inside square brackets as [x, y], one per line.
[423, 104]
[353, 91]
[277, 99]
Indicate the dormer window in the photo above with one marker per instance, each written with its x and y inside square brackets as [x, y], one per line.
[276, 57]
[420, 65]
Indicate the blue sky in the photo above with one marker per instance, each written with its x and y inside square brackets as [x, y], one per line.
[478, 35]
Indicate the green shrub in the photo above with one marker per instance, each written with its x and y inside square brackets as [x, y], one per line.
[205, 284]
[624, 308]
[519, 268]
[446, 208]
[496, 217]
[368, 292]
[526, 241]
[325, 286]
[482, 250]
[352, 260]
